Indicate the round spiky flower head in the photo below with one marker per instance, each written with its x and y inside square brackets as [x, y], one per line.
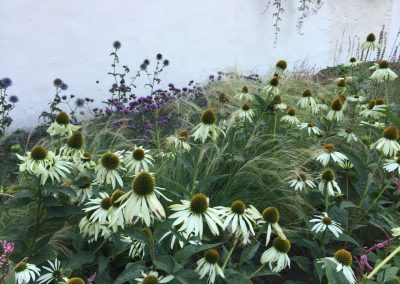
[109, 167]
[277, 256]
[83, 186]
[310, 127]
[153, 278]
[207, 127]
[244, 94]
[383, 72]
[208, 116]
[353, 62]
[191, 214]
[138, 159]
[306, 100]
[274, 81]
[371, 37]
[62, 125]
[39, 153]
[301, 181]
[280, 67]
[73, 147]
[99, 208]
[336, 112]
[324, 222]
[272, 88]
[328, 183]
[270, 217]
[370, 43]
[63, 118]
[25, 272]
[75, 280]
[290, 118]
[343, 259]
[245, 114]
[209, 265]
[388, 144]
[329, 152]
[342, 83]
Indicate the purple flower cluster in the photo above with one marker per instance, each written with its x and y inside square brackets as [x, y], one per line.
[8, 248]
[91, 278]
[363, 261]
[5, 83]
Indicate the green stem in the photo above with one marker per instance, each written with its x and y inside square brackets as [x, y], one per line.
[275, 120]
[258, 270]
[386, 94]
[381, 264]
[347, 185]
[100, 246]
[370, 180]
[326, 201]
[322, 241]
[229, 255]
[39, 211]
[197, 166]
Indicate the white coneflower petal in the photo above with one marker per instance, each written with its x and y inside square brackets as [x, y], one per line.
[328, 183]
[301, 182]
[324, 222]
[277, 256]
[62, 126]
[244, 95]
[328, 153]
[138, 159]
[343, 260]
[25, 272]
[388, 143]
[153, 278]
[207, 127]
[208, 265]
[54, 274]
[310, 127]
[109, 168]
[383, 73]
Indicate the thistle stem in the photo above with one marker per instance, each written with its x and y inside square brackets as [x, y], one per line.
[381, 264]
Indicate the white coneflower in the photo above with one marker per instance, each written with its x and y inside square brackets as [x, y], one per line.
[180, 236]
[137, 248]
[73, 280]
[301, 182]
[306, 100]
[388, 144]
[239, 220]
[370, 42]
[277, 103]
[353, 62]
[207, 127]
[99, 207]
[84, 162]
[290, 118]
[244, 95]
[270, 217]
[109, 167]
[341, 85]
[272, 87]
[383, 73]
[25, 272]
[346, 165]
[328, 183]
[44, 164]
[83, 187]
[74, 147]
[375, 109]
[54, 274]
[336, 112]
[395, 232]
[375, 124]
[92, 230]
[319, 106]
[310, 127]
[329, 152]
[392, 165]
[62, 126]
[280, 67]
[324, 222]
[153, 278]
[179, 142]
[208, 265]
[116, 217]
[277, 255]
[141, 202]
[246, 114]
[137, 160]
[343, 260]
[347, 135]
[356, 99]
[191, 214]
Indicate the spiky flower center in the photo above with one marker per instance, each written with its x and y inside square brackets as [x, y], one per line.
[39, 153]
[291, 112]
[106, 203]
[348, 130]
[150, 279]
[183, 135]
[380, 102]
[353, 59]
[391, 133]
[63, 118]
[117, 194]
[277, 99]
[344, 257]
[144, 184]
[328, 175]
[342, 98]
[384, 64]
[138, 154]
[271, 215]
[86, 157]
[89, 214]
[20, 267]
[281, 64]
[329, 147]
[84, 182]
[75, 141]
[301, 177]
[306, 93]
[337, 105]
[371, 104]
[274, 81]
[146, 231]
[245, 106]
[211, 256]
[281, 245]
[208, 116]
[199, 203]
[310, 124]
[75, 280]
[327, 221]
[245, 89]
[342, 83]
[371, 37]
[238, 207]
[110, 161]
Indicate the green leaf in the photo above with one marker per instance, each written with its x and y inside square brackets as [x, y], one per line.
[102, 263]
[303, 262]
[334, 277]
[249, 252]
[348, 204]
[185, 253]
[81, 258]
[168, 264]
[131, 271]
[236, 277]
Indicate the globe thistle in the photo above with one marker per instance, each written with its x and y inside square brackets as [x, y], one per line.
[5, 83]
[117, 44]
[13, 99]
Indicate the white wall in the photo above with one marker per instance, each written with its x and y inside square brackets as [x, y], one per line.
[71, 39]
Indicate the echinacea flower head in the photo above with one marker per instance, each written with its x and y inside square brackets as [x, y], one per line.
[277, 103]
[310, 127]
[280, 67]
[153, 278]
[141, 202]
[388, 144]
[396, 232]
[75, 280]
[375, 109]
[62, 126]
[84, 162]
[191, 214]
[208, 265]
[179, 141]
[383, 72]
[99, 208]
[290, 119]
[319, 106]
[329, 152]
[346, 165]
[138, 159]
[272, 87]
[356, 99]
[73, 147]
[207, 127]
[301, 182]
[244, 95]
[353, 62]
[246, 114]
[348, 135]
[370, 43]
[328, 183]
[25, 272]
[306, 100]
[54, 273]
[277, 256]
[83, 186]
[270, 217]
[137, 248]
[239, 220]
[392, 165]
[336, 112]
[324, 222]
[109, 168]
[343, 259]
[92, 230]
